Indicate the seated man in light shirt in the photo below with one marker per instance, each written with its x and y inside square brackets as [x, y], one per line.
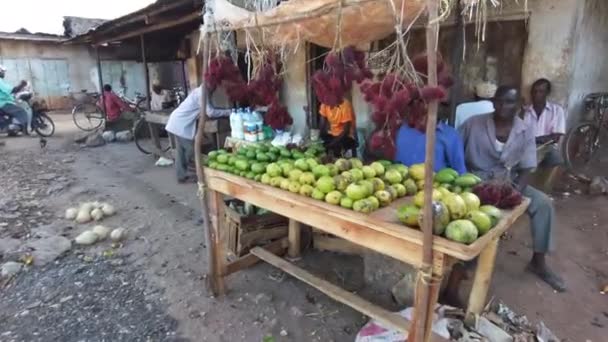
[548, 120]
[182, 124]
[484, 92]
[159, 96]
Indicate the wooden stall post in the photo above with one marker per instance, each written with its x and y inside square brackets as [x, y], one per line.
[100, 77]
[294, 237]
[481, 283]
[215, 280]
[426, 291]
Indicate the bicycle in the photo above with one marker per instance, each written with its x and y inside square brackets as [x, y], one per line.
[584, 140]
[88, 114]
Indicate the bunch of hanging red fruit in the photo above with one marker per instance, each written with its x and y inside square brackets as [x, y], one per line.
[277, 116]
[222, 71]
[396, 99]
[261, 91]
[340, 70]
[499, 194]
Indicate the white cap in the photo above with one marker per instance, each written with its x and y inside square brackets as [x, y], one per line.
[485, 90]
[2, 68]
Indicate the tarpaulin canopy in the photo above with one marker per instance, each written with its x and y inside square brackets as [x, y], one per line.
[318, 21]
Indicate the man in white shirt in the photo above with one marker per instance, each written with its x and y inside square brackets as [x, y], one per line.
[484, 92]
[182, 124]
[548, 120]
[159, 97]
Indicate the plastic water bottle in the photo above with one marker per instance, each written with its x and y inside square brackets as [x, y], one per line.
[236, 125]
[259, 121]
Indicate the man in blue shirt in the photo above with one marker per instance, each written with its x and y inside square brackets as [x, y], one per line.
[411, 146]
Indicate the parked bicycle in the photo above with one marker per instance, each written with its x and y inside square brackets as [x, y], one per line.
[88, 114]
[585, 139]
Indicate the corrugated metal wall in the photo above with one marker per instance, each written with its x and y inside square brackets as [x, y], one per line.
[49, 77]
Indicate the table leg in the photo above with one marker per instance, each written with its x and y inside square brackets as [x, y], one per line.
[440, 264]
[483, 276]
[155, 136]
[294, 237]
[216, 245]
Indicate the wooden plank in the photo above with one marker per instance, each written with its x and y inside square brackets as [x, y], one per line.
[388, 237]
[278, 247]
[386, 317]
[334, 244]
[248, 239]
[217, 263]
[295, 236]
[167, 23]
[483, 276]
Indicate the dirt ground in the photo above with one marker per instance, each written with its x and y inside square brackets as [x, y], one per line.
[152, 287]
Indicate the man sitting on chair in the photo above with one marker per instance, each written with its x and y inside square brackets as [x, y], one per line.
[548, 120]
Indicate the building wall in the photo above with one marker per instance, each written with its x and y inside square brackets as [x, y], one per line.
[34, 58]
[56, 70]
[590, 69]
[549, 50]
[294, 93]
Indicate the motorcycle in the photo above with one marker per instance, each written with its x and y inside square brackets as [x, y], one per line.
[38, 119]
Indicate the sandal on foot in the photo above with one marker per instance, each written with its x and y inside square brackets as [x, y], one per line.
[548, 277]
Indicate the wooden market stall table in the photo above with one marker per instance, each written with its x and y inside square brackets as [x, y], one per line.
[379, 231]
[160, 118]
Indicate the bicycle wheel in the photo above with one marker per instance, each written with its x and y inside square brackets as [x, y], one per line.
[44, 125]
[87, 117]
[143, 139]
[580, 144]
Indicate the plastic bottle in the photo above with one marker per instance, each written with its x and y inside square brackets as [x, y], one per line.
[236, 125]
[250, 126]
[259, 121]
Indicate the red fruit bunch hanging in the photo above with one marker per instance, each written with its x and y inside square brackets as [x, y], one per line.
[222, 70]
[277, 116]
[263, 89]
[341, 69]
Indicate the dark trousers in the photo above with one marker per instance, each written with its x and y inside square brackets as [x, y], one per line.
[347, 143]
[185, 153]
[18, 114]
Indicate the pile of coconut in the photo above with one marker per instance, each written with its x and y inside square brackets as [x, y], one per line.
[94, 211]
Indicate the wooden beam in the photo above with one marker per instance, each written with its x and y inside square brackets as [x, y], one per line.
[483, 277]
[278, 247]
[295, 236]
[151, 28]
[386, 317]
[144, 60]
[424, 303]
[210, 230]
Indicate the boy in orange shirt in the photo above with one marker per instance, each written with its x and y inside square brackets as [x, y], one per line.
[338, 127]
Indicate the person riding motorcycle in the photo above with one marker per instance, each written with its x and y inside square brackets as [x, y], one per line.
[7, 103]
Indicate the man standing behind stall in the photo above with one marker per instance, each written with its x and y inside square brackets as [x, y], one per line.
[501, 146]
[182, 124]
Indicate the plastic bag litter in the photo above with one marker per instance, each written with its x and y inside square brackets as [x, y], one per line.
[163, 162]
[108, 136]
[375, 331]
